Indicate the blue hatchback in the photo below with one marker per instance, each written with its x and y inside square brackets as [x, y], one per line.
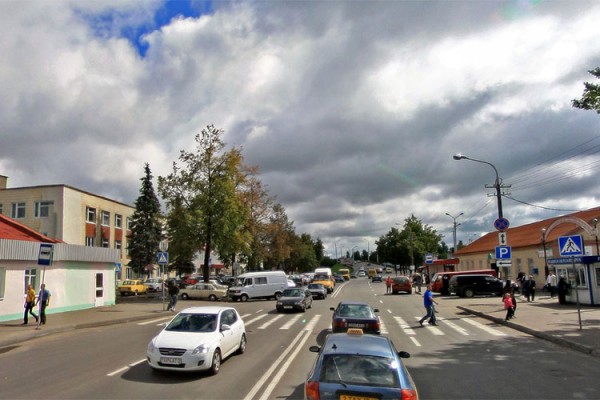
[356, 366]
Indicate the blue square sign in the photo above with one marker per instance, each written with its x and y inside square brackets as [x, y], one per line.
[570, 245]
[503, 253]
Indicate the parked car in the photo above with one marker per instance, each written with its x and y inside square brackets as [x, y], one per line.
[318, 290]
[226, 280]
[402, 284]
[132, 287]
[471, 285]
[204, 291]
[357, 366]
[355, 314]
[153, 284]
[377, 278]
[198, 338]
[294, 299]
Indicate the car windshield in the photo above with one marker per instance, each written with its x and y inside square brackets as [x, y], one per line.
[193, 323]
[401, 280]
[360, 369]
[293, 293]
[321, 278]
[129, 283]
[315, 286]
[355, 310]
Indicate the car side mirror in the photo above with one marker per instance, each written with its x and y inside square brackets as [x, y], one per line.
[314, 349]
[225, 327]
[332, 308]
[403, 354]
[376, 309]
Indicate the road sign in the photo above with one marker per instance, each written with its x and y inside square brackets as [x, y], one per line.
[504, 263]
[502, 239]
[501, 224]
[428, 259]
[503, 253]
[163, 258]
[570, 245]
[117, 267]
[45, 254]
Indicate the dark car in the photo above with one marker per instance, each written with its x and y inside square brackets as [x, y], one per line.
[377, 278]
[338, 278]
[356, 366]
[294, 299]
[318, 290]
[471, 285]
[402, 284]
[355, 314]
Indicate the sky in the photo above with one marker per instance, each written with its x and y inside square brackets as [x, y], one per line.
[352, 110]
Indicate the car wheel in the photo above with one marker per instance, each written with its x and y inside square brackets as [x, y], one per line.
[216, 362]
[212, 297]
[277, 295]
[244, 297]
[185, 296]
[242, 348]
[303, 308]
[468, 292]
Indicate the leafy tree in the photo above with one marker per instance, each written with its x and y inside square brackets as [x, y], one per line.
[280, 234]
[319, 249]
[591, 94]
[204, 189]
[146, 228]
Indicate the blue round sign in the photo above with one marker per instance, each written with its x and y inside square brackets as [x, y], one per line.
[501, 224]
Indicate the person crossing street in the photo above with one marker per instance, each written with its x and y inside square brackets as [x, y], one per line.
[428, 302]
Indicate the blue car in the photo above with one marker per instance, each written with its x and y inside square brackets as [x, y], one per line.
[356, 366]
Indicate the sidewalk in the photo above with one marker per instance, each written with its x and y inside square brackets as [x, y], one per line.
[544, 318]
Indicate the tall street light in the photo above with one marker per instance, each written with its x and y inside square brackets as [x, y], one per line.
[497, 183]
[546, 271]
[454, 230]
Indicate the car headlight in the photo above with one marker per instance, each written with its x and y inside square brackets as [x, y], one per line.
[202, 349]
[151, 346]
[279, 303]
[298, 302]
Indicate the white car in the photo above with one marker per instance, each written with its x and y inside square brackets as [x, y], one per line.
[197, 339]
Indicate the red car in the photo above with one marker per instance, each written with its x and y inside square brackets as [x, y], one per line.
[402, 284]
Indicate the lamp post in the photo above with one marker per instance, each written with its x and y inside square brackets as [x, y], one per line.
[454, 230]
[497, 183]
[595, 221]
[545, 254]
[352, 253]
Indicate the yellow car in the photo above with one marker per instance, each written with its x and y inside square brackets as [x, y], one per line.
[324, 280]
[132, 286]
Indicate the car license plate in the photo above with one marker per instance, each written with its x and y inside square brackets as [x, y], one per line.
[352, 397]
[288, 307]
[170, 360]
[356, 325]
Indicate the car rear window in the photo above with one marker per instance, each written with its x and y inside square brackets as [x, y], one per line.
[359, 369]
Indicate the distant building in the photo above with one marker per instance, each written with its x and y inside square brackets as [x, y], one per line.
[79, 277]
[73, 216]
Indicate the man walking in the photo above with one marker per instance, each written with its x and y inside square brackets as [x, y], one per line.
[428, 302]
[551, 284]
[173, 292]
[43, 301]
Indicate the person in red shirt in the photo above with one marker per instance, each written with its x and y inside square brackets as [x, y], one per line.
[509, 306]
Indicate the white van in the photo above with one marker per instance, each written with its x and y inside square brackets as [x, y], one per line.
[324, 271]
[256, 285]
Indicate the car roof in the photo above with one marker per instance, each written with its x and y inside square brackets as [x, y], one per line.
[344, 343]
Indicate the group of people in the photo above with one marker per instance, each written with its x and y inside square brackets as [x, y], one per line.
[31, 300]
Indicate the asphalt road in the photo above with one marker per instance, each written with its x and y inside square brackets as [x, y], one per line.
[464, 358]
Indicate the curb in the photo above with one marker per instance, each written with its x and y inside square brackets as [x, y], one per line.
[550, 338]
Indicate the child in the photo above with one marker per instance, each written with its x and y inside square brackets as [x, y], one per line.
[508, 305]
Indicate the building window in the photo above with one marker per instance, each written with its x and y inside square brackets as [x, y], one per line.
[118, 221]
[118, 244]
[90, 241]
[90, 214]
[128, 223]
[0, 208]
[42, 209]
[104, 242]
[105, 218]
[18, 210]
[30, 279]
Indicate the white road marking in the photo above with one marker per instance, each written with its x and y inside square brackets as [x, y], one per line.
[133, 364]
[270, 322]
[415, 341]
[154, 321]
[255, 319]
[311, 325]
[383, 328]
[291, 322]
[434, 329]
[405, 327]
[486, 328]
[457, 328]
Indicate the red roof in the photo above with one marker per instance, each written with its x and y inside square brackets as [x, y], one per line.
[13, 230]
[531, 234]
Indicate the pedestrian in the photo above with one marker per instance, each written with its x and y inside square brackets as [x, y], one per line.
[418, 282]
[508, 306]
[173, 292]
[521, 277]
[44, 301]
[563, 289]
[529, 288]
[388, 284]
[514, 301]
[551, 284]
[428, 302]
[29, 304]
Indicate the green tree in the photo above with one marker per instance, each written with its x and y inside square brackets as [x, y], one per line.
[590, 100]
[280, 237]
[146, 228]
[204, 189]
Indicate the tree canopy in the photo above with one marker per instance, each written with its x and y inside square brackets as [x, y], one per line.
[590, 100]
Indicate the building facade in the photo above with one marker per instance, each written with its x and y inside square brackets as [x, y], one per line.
[73, 216]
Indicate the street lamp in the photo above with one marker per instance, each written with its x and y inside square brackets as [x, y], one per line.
[595, 221]
[545, 254]
[454, 230]
[497, 183]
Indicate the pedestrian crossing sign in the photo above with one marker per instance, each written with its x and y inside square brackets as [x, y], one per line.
[570, 245]
[163, 258]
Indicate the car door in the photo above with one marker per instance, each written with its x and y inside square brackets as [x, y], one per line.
[230, 338]
[308, 298]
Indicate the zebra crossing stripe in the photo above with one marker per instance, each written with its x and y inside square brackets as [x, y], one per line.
[311, 325]
[291, 322]
[457, 328]
[405, 327]
[270, 322]
[486, 328]
[382, 327]
[255, 319]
